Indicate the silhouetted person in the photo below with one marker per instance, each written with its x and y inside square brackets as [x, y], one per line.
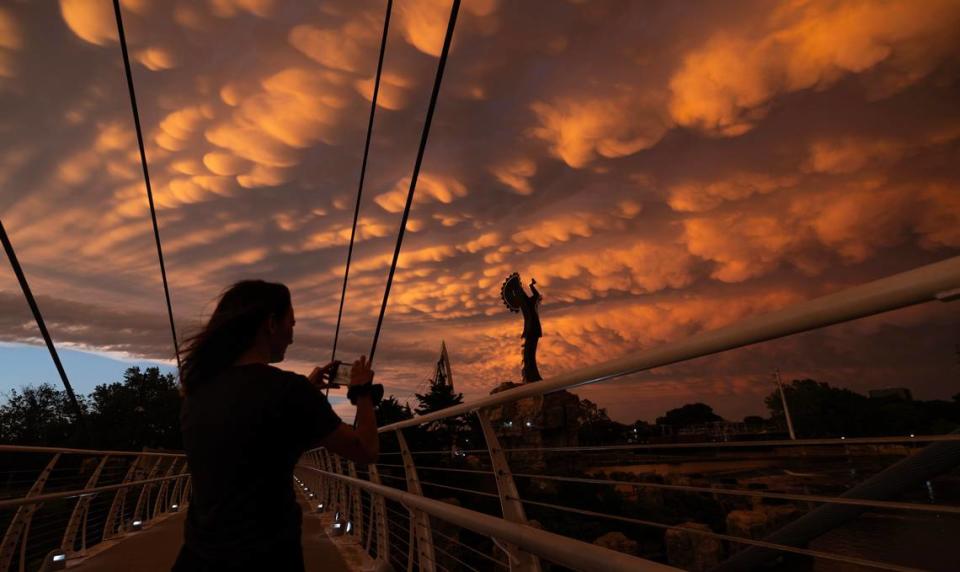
[245, 425]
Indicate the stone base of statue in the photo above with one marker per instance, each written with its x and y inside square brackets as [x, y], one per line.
[533, 423]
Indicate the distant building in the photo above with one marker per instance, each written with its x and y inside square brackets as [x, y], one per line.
[719, 431]
[900, 393]
[443, 374]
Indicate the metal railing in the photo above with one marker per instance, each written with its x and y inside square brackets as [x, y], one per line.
[58, 503]
[397, 523]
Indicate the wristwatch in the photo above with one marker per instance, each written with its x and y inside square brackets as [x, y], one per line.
[374, 390]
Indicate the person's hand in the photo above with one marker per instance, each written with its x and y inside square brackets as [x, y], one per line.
[318, 375]
[361, 373]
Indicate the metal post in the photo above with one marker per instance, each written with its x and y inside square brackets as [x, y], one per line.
[160, 505]
[339, 502]
[786, 409]
[80, 511]
[185, 495]
[378, 506]
[177, 493]
[356, 503]
[520, 560]
[119, 500]
[145, 491]
[328, 484]
[420, 521]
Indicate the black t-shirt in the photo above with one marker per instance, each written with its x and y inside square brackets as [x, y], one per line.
[243, 432]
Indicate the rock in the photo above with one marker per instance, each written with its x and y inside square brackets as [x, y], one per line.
[535, 422]
[692, 551]
[759, 521]
[618, 541]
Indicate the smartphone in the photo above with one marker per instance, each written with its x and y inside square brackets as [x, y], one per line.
[339, 375]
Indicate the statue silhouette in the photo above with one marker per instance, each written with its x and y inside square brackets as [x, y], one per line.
[517, 300]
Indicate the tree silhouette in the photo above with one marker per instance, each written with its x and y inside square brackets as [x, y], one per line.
[689, 414]
[39, 415]
[442, 433]
[596, 427]
[390, 411]
[819, 410]
[141, 411]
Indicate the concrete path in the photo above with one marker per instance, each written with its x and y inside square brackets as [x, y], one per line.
[156, 548]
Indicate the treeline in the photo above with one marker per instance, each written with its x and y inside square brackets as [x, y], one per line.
[142, 410]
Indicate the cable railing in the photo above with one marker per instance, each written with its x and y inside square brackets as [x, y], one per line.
[72, 500]
[881, 475]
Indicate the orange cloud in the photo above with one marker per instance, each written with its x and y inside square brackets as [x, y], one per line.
[742, 246]
[516, 174]
[725, 85]
[430, 188]
[394, 90]
[156, 58]
[577, 130]
[424, 24]
[639, 268]
[231, 8]
[348, 48]
[566, 221]
[93, 22]
[851, 154]
[10, 41]
[704, 196]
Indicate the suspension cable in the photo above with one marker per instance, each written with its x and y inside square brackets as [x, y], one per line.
[146, 174]
[363, 172]
[416, 168]
[28, 294]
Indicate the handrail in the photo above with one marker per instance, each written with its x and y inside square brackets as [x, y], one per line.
[891, 505]
[938, 281]
[9, 503]
[560, 549]
[68, 451]
[825, 441]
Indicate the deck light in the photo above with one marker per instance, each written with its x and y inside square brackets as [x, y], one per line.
[174, 506]
[337, 528]
[56, 560]
[349, 526]
[529, 424]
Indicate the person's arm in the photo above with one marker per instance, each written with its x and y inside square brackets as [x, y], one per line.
[360, 444]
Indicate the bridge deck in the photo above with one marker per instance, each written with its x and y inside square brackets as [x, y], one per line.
[155, 549]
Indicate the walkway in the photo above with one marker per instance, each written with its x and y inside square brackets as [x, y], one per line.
[155, 549]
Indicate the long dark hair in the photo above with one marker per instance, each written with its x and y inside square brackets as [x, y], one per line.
[232, 329]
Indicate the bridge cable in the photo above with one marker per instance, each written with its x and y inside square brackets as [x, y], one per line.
[416, 168]
[363, 172]
[146, 174]
[28, 294]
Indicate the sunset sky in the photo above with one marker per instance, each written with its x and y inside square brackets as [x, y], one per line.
[661, 168]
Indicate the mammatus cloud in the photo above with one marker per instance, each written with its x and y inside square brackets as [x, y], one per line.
[423, 24]
[430, 188]
[10, 42]
[657, 174]
[579, 130]
[727, 85]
